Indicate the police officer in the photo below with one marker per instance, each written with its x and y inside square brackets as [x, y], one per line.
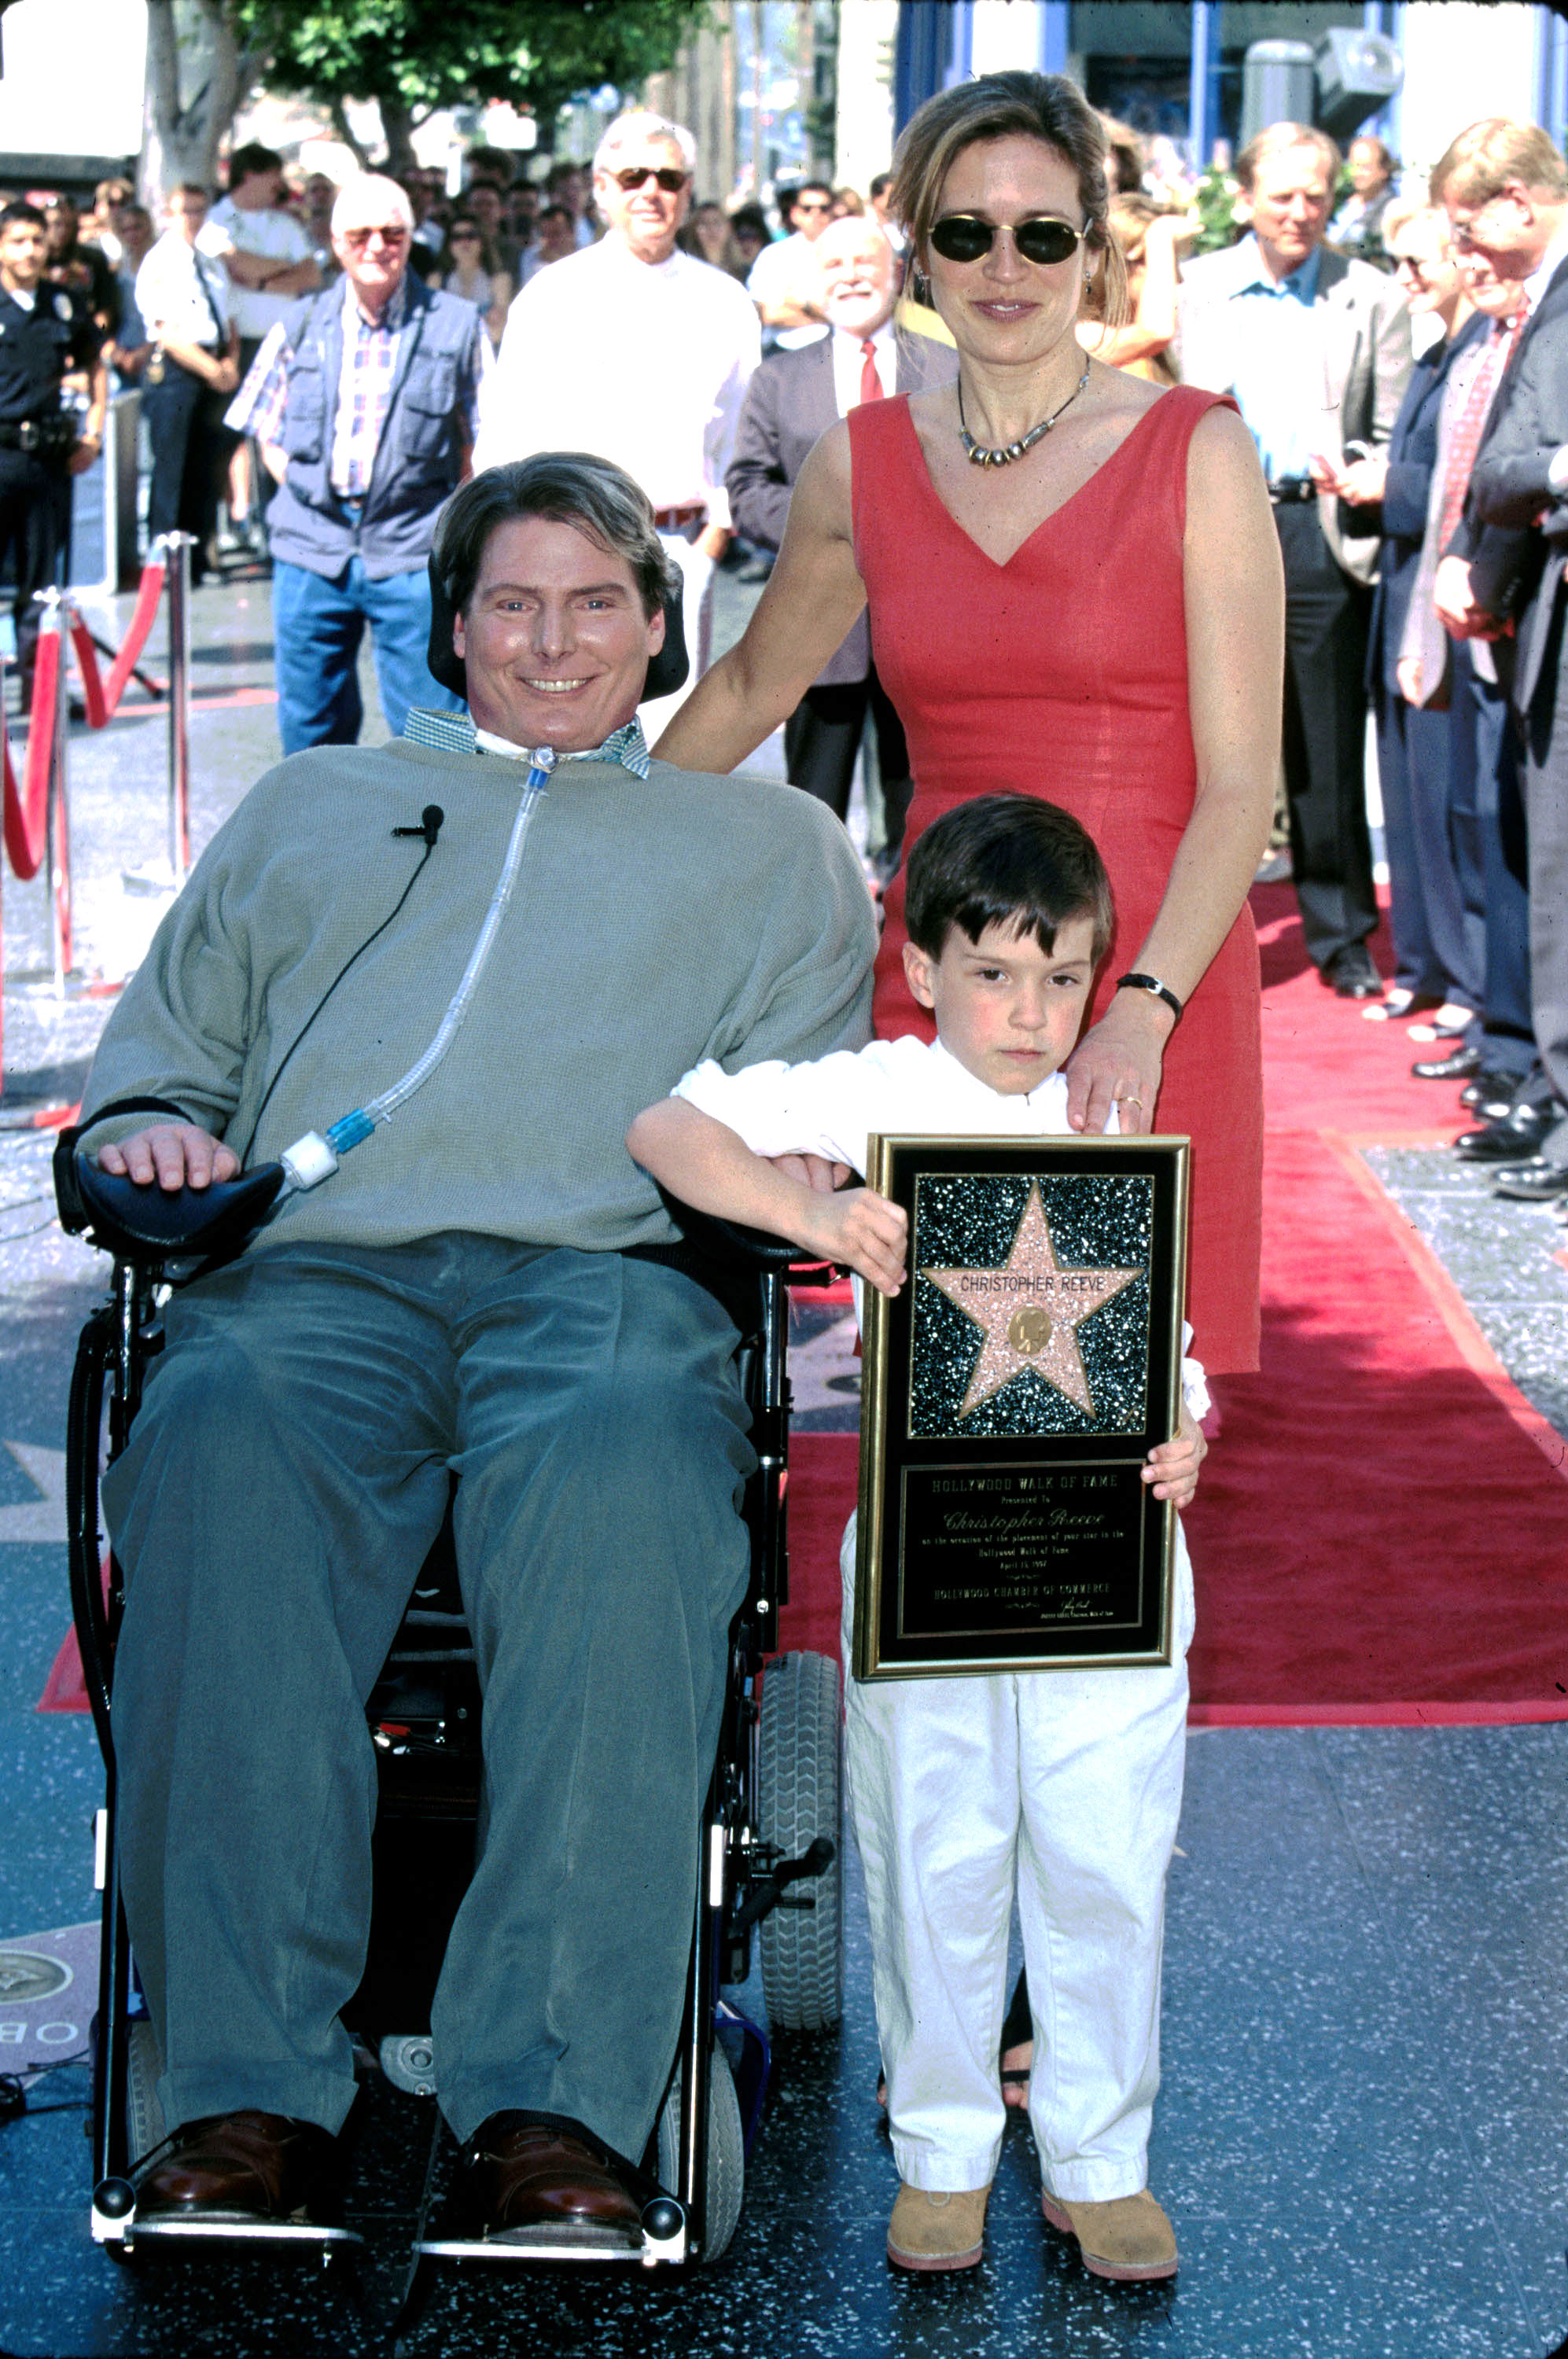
[44, 332]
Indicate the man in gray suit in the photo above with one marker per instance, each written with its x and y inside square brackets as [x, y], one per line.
[1316, 350]
[793, 398]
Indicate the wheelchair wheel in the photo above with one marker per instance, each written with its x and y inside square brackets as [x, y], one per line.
[145, 2124]
[800, 1744]
[726, 2151]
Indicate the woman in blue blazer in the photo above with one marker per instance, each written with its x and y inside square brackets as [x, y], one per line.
[1436, 961]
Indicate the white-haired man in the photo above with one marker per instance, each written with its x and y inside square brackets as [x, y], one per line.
[364, 401]
[686, 339]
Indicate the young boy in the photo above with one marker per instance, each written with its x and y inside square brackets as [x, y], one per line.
[1071, 1781]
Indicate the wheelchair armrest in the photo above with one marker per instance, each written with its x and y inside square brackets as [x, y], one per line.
[731, 1242]
[154, 1223]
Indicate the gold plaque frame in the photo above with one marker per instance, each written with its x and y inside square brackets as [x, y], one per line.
[1009, 1529]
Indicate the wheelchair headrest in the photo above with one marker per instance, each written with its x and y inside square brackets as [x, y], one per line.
[666, 672]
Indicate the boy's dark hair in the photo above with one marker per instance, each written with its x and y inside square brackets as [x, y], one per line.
[19, 211]
[1006, 860]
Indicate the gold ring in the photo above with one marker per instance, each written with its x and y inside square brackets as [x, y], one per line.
[1129, 1100]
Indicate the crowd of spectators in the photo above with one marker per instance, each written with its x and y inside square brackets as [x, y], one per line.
[1378, 526]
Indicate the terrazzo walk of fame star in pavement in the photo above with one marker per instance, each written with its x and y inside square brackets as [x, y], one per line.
[1028, 1311]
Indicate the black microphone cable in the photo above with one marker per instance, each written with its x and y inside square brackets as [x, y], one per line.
[429, 827]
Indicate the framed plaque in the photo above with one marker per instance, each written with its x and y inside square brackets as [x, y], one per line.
[1011, 1392]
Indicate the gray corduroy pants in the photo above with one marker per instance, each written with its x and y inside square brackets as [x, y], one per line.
[284, 1481]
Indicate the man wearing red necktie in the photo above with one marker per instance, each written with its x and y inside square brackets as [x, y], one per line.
[794, 398]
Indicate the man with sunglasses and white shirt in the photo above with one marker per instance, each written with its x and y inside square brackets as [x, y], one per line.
[688, 338]
[365, 400]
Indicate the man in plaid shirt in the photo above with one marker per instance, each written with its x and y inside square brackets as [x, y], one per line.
[365, 402]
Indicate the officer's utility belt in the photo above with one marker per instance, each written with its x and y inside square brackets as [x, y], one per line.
[50, 437]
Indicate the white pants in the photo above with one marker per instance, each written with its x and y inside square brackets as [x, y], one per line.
[697, 620]
[1073, 1780]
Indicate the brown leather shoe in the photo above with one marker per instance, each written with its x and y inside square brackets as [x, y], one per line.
[1129, 2239]
[543, 2177]
[241, 2167]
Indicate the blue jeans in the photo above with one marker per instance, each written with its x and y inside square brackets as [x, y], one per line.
[318, 623]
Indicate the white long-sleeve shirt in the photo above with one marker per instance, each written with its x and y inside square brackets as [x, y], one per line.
[646, 363]
[894, 1088]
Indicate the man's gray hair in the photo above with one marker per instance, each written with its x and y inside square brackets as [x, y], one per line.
[373, 195]
[638, 129]
[566, 487]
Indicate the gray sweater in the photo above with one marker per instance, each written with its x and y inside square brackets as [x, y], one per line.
[654, 924]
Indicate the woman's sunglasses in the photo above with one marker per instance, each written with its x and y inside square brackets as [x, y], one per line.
[958, 238]
[634, 176]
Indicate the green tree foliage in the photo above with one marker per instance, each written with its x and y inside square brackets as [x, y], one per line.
[1214, 203]
[414, 55]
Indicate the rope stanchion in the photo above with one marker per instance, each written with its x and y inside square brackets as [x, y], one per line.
[57, 613]
[35, 822]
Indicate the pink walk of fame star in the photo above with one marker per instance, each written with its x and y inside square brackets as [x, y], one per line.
[1028, 1311]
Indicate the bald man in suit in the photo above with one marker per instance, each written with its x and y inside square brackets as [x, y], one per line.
[791, 401]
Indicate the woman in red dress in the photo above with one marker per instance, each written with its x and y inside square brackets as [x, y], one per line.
[1075, 590]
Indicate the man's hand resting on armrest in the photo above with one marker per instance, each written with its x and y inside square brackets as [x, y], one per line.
[174, 1154]
[707, 1165]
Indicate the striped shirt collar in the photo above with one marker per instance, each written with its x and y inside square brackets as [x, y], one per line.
[454, 732]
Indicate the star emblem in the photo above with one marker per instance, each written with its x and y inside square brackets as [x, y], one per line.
[1029, 1311]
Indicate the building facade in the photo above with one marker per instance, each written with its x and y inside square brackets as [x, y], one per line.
[1177, 70]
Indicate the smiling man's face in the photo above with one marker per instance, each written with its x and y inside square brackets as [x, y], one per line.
[555, 639]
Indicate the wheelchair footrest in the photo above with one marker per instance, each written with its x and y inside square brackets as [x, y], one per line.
[309, 2234]
[569, 2242]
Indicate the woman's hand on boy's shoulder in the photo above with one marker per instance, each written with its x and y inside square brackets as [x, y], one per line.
[1173, 1467]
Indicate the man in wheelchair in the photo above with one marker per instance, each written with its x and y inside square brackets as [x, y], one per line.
[484, 1285]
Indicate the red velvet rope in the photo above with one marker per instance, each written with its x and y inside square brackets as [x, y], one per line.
[25, 813]
[92, 682]
[102, 697]
[148, 593]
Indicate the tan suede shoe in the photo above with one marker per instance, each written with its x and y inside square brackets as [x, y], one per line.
[932, 2230]
[1130, 2239]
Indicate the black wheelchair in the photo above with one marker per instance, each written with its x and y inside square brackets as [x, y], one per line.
[770, 1850]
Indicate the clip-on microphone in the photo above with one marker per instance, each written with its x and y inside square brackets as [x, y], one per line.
[430, 825]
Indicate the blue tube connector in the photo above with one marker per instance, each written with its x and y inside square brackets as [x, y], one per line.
[350, 1130]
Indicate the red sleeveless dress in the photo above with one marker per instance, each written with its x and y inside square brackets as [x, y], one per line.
[1063, 673]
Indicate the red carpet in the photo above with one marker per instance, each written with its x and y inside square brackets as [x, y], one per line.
[1381, 1534]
